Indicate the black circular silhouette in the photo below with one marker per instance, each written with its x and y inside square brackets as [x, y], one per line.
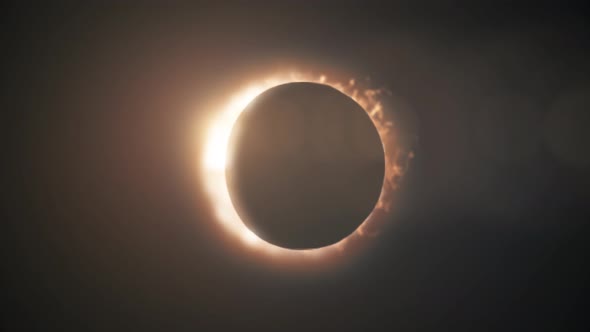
[305, 165]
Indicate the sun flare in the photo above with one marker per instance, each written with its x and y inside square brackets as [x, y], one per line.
[215, 159]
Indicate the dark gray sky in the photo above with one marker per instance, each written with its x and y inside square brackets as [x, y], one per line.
[107, 230]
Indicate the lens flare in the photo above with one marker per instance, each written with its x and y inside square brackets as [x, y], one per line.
[215, 158]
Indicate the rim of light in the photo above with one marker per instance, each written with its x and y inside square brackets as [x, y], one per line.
[215, 159]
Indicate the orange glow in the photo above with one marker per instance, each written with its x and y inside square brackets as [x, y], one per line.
[215, 157]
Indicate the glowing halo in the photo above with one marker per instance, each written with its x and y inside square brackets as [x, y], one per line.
[215, 156]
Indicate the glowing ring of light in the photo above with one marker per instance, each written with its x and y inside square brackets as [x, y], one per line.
[215, 155]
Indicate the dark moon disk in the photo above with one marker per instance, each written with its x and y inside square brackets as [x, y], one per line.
[305, 165]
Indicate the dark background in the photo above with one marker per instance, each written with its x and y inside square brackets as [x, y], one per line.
[107, 229]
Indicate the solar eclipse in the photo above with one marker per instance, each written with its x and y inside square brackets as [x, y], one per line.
[347, 112]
